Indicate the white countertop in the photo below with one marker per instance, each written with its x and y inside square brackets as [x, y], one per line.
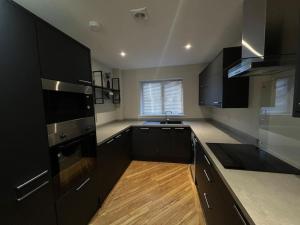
[265, 198]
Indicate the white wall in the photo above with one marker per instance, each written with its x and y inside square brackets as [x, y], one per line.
[107, 112]
[189, 74]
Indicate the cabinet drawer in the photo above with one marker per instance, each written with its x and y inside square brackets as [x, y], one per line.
[79, 205]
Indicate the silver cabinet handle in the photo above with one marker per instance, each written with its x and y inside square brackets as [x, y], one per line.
[118, 136]
[179, 128]
[110, 141]
[206, 159]
[85, 81]
[166, 128]
[207, 177]
[32, 179]
[32, 192]
[144, 128]
[239, 214]
[206, 200]
[83, 184]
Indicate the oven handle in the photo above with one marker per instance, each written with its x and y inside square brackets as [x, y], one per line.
[70, 144]
[83, 184]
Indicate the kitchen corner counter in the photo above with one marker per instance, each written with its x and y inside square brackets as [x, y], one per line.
[105, 132]
[265, 198]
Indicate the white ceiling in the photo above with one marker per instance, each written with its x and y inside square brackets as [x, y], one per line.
[208, 25]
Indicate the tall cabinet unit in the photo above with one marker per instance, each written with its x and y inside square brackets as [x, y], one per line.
[61, 57]
[216, 89]
[25, 190]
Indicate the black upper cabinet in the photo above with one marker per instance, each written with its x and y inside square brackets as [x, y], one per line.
[25, 190]
[216, 89]
[61, 57]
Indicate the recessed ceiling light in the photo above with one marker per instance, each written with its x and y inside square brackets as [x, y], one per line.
[123, 54]
[188, 46]
[94, 26]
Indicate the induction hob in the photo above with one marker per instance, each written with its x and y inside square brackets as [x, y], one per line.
[249, 157]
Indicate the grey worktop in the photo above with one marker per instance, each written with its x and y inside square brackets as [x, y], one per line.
[265, 198]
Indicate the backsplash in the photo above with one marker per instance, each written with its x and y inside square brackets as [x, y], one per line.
[279, 132]
[269, 116]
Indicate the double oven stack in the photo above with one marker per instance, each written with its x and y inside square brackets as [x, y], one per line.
[69, 110]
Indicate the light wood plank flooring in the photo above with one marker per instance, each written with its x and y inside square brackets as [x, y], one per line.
[152, 193]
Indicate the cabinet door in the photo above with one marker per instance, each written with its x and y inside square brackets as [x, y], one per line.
[203, 87]
[296, 112]
[122, 153]
[24, 147]
[181, 145]
[106, 163]
[163, 140]
[61, 57]
[143, 144]
[78, 206]
[216, 82]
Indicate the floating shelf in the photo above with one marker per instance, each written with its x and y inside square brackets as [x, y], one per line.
[101, 93]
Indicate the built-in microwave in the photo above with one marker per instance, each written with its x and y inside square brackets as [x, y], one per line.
[72, 162]
[65, 101]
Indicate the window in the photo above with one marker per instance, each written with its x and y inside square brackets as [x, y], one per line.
[159, 97]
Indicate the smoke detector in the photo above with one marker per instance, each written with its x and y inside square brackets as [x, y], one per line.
[139, 14]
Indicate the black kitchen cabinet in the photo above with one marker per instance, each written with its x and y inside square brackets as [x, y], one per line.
[25, 190]
[181, 145]
[78, 206]
[113, 158]
[143, 143]
[166, 144]
[218, 204]
[296, 112]
[61, 57]
[216, 89]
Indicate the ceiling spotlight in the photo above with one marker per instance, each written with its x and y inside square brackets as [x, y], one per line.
[188, 46]
[94, 26]
[123, 54]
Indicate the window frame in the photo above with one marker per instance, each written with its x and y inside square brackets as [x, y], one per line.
[162, 96]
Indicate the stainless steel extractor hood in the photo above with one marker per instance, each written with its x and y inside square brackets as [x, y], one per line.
[270, 37]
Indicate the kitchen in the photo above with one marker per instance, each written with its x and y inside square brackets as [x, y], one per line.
[138, 112]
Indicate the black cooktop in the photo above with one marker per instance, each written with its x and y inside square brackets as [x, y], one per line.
[249, 157]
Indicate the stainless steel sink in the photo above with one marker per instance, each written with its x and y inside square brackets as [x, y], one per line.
[171, 122]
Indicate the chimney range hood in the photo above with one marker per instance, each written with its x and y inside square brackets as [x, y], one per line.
[270, 37]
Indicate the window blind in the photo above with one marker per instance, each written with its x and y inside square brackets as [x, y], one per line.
[159, 97]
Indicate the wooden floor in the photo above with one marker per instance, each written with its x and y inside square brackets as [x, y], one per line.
[152, 193]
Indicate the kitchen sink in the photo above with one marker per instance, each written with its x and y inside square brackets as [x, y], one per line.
[171, 122]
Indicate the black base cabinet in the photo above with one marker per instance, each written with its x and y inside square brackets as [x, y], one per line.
[78, 206]
[165, 144]
[26, 196]
[218, 204]
[113, 158]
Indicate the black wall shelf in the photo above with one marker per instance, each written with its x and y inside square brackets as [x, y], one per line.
[101, 93]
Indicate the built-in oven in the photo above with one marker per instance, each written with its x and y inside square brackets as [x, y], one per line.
[65, 101]
[72, 162]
